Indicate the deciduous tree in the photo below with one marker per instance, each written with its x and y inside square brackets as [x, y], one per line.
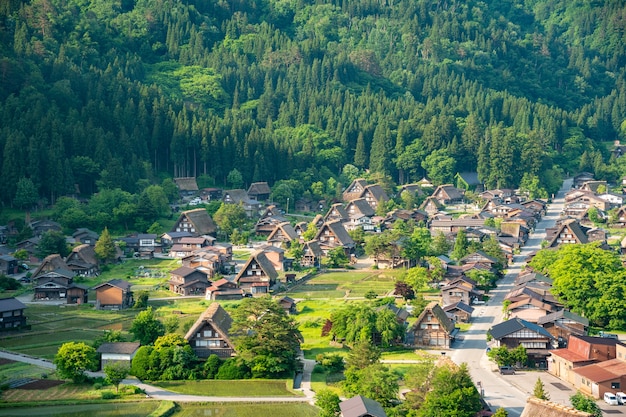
[105, 248]
[74, 358]
[146, 327]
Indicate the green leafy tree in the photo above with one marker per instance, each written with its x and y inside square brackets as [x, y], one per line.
[74, 358]
[267, 339]
[230, 217]
[453, 394]
[234, 178]
[337, 258]
[375, 381]
[116, 373]
[141, 299]
[539, 391]
[501, 412]
[171, 324]
[492, 248]
[439, 166]
[417, 277]
[362, 354]
[440, 245]
[460, 245]
[328, 402]
[310, 232]
[26, 195]
[585, 403]
[105, 247]
[52, 242]
[212, 366]
[108, 336]
[146, 327]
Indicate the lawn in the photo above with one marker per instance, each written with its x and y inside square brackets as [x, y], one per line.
[346, 284]
[247, 410]
[311, 318]
[239, 388]
[126, 409]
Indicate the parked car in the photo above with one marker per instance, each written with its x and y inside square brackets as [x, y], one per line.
[621, 397]
[507, 370]
[610, 398]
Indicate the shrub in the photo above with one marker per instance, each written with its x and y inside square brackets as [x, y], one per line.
[108, 395]
[97, 386]
[233, 369]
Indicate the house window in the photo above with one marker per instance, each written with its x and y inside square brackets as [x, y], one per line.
[208, 333]
[423, 326]
[429, 317]
[435, 326]
[615, 385]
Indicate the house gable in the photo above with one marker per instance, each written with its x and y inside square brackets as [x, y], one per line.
[210, 333]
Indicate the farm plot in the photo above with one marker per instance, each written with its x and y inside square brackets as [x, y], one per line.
[346, 284]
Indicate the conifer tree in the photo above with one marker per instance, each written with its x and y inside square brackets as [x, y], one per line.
[105, 248]
[540, 391]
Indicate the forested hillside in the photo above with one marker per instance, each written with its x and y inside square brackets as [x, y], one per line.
[297, 89]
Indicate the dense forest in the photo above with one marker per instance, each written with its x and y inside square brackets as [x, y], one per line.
[299, 89]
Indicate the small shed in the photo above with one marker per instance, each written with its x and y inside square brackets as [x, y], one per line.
[117, 352]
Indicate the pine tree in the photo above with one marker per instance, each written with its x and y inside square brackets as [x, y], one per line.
[105, 248]
[540, 391]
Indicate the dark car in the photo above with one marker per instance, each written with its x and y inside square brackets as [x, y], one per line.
[507, 370]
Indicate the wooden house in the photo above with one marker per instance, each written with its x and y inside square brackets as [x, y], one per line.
[606, 376]
[358, 210]
[239, 196]
[12, 314]
[209, 335]
[459, 312]
[414, 189]
[224, 289]
[114, 294]
[8, 265]
[468, 181]
[42, 226]
[170, 238]
[431, 205]
[360, 406]
[448, 194]
[257, 275]
[276, 256]
[433, 328]
[569, 232]
[83, 260]
[288, 304]
[375, 195]
[312, 254]
[332, 235]
[187, 186]
[282, 235]
[197, 222]
[460, 289]
[259, 191]
[515, 332]
[401, 215]
[271, 217]
[544, 408]
[188, 281]
[580, 351]
[117, 353]
[85, 236]
[336, 212]
[354, 190]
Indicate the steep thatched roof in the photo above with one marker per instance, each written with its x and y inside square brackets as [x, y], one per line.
[202, 222]
[536, 407]
[186, 183]
[217, 317]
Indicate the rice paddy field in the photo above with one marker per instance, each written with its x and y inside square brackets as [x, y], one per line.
[346, 284]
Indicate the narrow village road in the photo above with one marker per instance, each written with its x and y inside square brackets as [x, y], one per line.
[508, 391]
[159, 393]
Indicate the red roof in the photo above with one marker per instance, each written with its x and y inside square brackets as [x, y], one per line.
[603, 371]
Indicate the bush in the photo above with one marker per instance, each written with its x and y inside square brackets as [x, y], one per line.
[108, 395]
[233, 369]
[97, 386]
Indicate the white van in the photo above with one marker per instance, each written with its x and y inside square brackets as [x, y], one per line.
[610, 398]
[621, 397]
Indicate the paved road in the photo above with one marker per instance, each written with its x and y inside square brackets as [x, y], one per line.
[510, 391]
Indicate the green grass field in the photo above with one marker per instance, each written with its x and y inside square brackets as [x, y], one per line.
[247, 410]
[346, 284]
[125, 409]
[240, 388]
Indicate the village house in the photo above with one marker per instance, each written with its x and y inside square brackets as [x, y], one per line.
[188, 281]
[354, 190]
[536, 407]
[401, 215]
[209, 335]
[53, 280]
[459, 312]
[259, 191]
[311, 254]
[606, 376]
[288, 304]
[580, 351]
[85, 236]
[117, 353]
[360, 214]
[187, 186]
[171, 238]
[224, 289]
[433, 328]
[268, 221]
[431, 205]
[414, 189]
[83, 260]
[460, 289]
[563, 323]
[8, 265]
[567, 232]
[42, 226]
[336, 212]
[114, 294]
[360, 406]
[332, 235]
[282, 235]
[197, 222]
[239, 196]
[448, 194]
[276, 256]
[375, 195]
[207, 260]
[257, 275]
[536, 340]
[187, 245]
[469, 181]
[12, 314]
[452, 226]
